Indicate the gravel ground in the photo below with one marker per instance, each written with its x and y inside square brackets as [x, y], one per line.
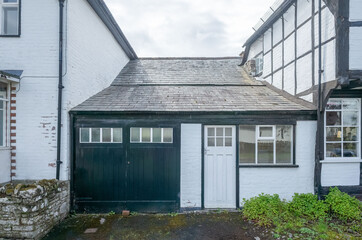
[209, 225]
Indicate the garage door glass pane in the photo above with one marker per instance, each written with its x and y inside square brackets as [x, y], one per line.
[211, 132]
[265, 151]
[117, 135]
[228, 142]
[106, 135]
[156, 135]
[247, 144]
[96, 134]
[228, 132]
[211, 142]
[146, 134]
[135, 134]
[167, 135]
[219, 132]
[84, 135]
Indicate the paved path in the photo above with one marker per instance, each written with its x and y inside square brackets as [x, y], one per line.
[216, 225]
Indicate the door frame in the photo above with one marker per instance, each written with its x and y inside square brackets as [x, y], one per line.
[237, 181]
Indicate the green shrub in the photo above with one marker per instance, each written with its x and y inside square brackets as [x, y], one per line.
[343, 206]
[307, 205]
[264, 209]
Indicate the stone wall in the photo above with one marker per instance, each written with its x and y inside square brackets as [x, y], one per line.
[30, 210]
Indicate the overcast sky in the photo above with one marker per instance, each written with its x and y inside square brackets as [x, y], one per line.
[187, 28]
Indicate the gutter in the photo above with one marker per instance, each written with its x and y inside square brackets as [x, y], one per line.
[60, 87]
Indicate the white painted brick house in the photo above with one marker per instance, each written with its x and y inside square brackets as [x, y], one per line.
[93, 49]
[284, 51]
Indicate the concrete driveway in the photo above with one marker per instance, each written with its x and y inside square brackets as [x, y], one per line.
[205, 225]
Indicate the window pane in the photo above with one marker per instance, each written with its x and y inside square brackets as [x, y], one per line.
[10, 26]
[211, 132]
[106, 135]
[284, 144]
[333, 133]
[10, 1]
[350, 150]
[146, 134]
[350, 104]
[265, 132]
[333, 118]
[228, 142]
[350, 134]
[84, 135]
[334, 104]
[96, 134]
[228, 132]
[211, 142]
[219, 132]
[247, 144]
[135, 134]
[350, 118]
[156, 135]
[117, 135]
[219, 142]
[167, 135]
[333, 150]
[265, 151]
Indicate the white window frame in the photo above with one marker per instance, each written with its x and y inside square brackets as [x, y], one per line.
[151, 135]
[274, 139]
[342, 158]
[100, 135]
[2, 16]
[6, 117]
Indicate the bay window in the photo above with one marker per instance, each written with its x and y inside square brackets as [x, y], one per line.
[343, 129]
[266, 145]
[10, 17]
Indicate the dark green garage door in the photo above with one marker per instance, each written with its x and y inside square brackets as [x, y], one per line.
[135, 168]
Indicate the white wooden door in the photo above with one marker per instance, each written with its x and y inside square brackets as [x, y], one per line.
[220, 167]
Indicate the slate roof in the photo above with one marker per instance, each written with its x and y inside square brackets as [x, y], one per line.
[189, 85]
[12, 73]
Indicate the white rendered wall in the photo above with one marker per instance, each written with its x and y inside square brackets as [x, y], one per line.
[256, 48]
[340, 174]
[4, 165]
[355, 49]
[191, 165]
[284, 181]
[303, 47]
[355, 9]
[94, 60]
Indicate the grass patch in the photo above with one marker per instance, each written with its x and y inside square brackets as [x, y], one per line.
[306, 217]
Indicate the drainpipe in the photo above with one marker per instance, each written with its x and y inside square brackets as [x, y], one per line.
[319, 104]
[60, 85]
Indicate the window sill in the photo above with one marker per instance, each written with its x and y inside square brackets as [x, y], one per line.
[269, 166]
[4, 148]
[342, 161]
[10, 36]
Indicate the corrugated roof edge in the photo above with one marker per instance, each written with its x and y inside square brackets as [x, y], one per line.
[106, 16]
[12, 73]
[290, 97]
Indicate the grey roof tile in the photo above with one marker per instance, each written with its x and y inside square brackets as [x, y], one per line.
[189, 85]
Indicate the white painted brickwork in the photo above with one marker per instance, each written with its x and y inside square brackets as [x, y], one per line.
[277, 57]
[92, 60]
[340, 174]
[284, 181]
[4, 165]
[304, 73]
[191, 165]
[289, 23]
[289, 45]
[277, 79]
[267, 40]
[289, 84]
[304, 39]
